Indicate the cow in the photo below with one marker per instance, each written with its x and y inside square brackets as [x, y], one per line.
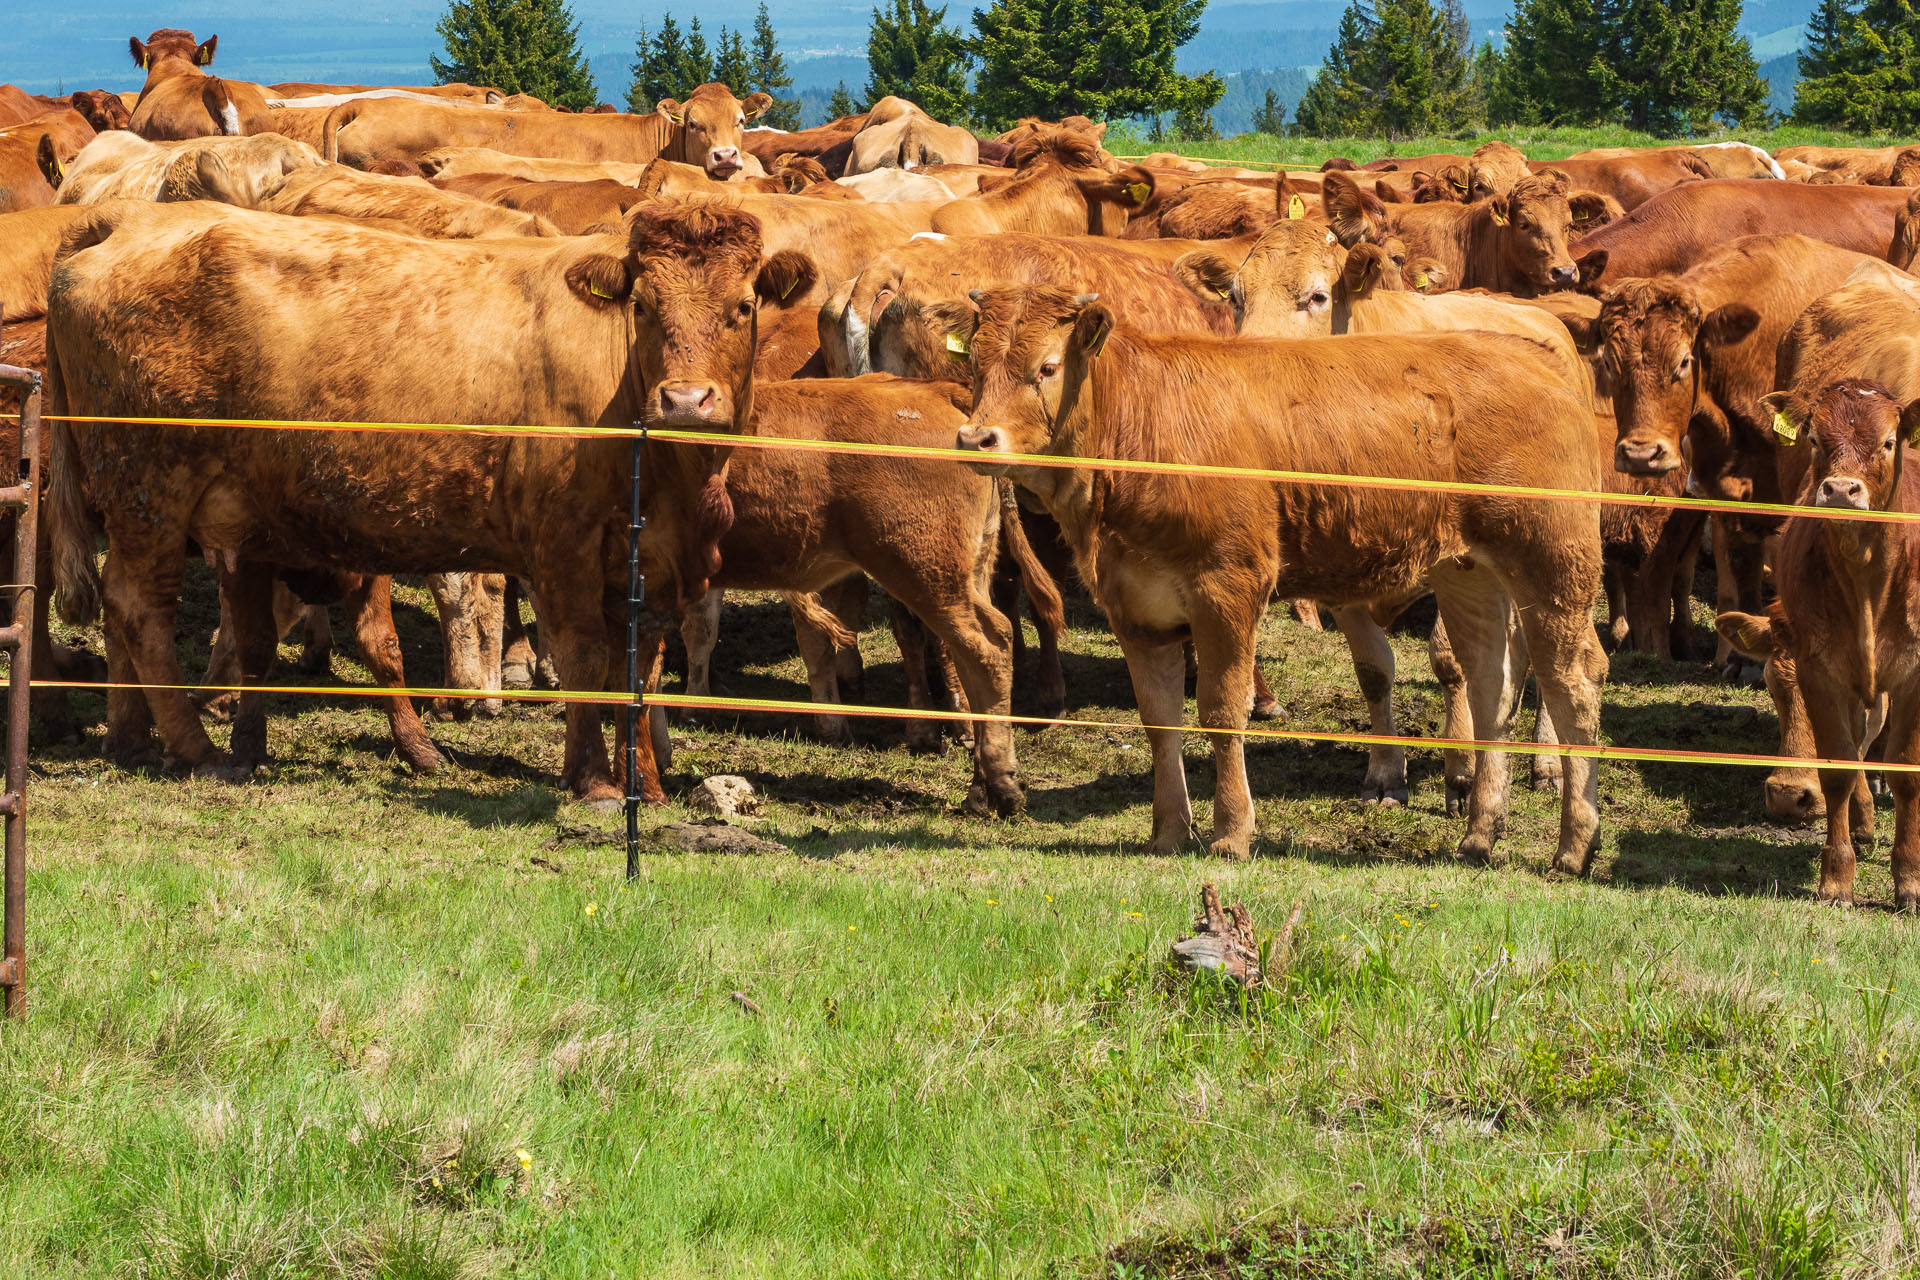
[1516, 245]
[927, 532]
[655, 325]
[829, 144]
[1678, 228]
[705, 130]
[180, 99]
[1173, 556]
[1631, 179]
[1868, 328]
[238, 171]
[461, 162]
[1849, 599]
[1905, 249]
[574, 208]
[477, 95]
[101, 110]
[28, 240]
[895, 185]
[1871, 166]
[1062, 189]
[1495, 169]
[18, 106]
[899, 135]
[33, 154]
[412, 203]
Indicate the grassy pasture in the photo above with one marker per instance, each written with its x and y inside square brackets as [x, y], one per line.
[335, 1022]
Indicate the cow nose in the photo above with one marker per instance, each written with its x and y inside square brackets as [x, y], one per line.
[721, 157]
[684, 401]
[1794, 801]
[1640, 458]
[1841, 491]
[1566, 276]
[982, 439]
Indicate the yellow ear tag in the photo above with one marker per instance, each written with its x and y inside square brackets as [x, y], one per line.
[1499, 218]
[789, 289]
[1421, 280]
[596, 291]
[1138, 192]
[1296, 207]
[1361, 290]
[957, 343]
[1459, 185]
[146, 60]
[1783, 428]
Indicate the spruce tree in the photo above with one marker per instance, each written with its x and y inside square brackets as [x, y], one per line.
[1867, 74]
[1682, 63]
[731, 66]
[1271, 115]
[1102, 58]
[1397, 67]
[698, 68]
[658, 67]
[769, 75]
[1553, 67]
[840, 105]
[912, 54]
[516, 46]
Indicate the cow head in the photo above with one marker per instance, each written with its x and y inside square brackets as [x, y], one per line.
[1033, 351]
[1063, 185]
[1494, 171]
[1649, 341]
[1906, 169]
[170, 51]
[708, 125]
[1904, 252]
[1792, 791]
[1283, 289]
[1448, 186]
[101, 109]
[1425, 274]
[1531, 225]
[1857, 433]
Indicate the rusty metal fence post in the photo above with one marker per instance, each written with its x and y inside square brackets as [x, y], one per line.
[17, 639]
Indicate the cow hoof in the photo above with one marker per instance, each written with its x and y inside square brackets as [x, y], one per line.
[423, 759]
[921, 744]
[1457, 794]
[222, 770]
[1907, 902]
[1476, 850]
[316, 664]
[516, 675]
[1386, 795]
[1167, 847]
[218, 708]
[1572, 867]
[547, 676]
[1008, 800]
[1545, 781]
[1834, 897]
[136, 759]
[1862, 841]
[1232, 848]
[1267, 709]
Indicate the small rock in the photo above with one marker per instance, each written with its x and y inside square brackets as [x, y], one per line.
[725, 794]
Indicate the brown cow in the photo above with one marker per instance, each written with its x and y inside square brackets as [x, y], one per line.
[411, 203]
[240, 171]
[479, 95]
[1905, 249]
[1495, 170]
[656, 325]
[705, 130]
[1868, 328]
[18, 106]
[101, 109]
[1631, 179]
[1062, 189]
[927, 532]
[828, 143]
[33, 154]
[1678, 228]
[1517, 245]
[1872, 166]
[1849, 597]
[182, 100]
[462, 162]
[1170, 556]
[28, 240]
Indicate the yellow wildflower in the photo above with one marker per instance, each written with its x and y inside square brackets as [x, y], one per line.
[592, 907]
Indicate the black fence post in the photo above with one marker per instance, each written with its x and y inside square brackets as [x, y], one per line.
[636, 688]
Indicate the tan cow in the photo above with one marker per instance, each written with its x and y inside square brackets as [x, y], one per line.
[182, 100]
[461, 162]
[422, 331]
[33, 154]
[705, 130]
[1170, 556]
[239, 171]
[1849, 597]
[28, 240]
[899, 135]
[1873, 166]
[1062, 189]
[411, 203]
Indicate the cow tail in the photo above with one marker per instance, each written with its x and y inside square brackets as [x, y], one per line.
[218, 100]
[337, 119]
[1049, 612]
[75, 576]
[808, 608]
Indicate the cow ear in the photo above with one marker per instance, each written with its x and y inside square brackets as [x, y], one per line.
[1092, 328]
[600, 280]
[1354, 215]
[49, 161]
[1727, 325]
[1585, 332]
[139, 52]
[1386, 193]
[784, 274]
[214, 180]
[1751, 633]
[1359, 273]
[1589, 209]
[204, 54]
[1592, 266]
[653, 179]
[1910, 424]
[672, 110]
[1209, 275]
[1779, 405]
[757, 105]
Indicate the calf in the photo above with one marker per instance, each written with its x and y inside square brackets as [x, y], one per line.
[1172, 556]
[1849, 618]
[1062, 189]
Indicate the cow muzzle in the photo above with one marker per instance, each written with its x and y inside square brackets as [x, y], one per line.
[692, 404]
[1564, 277]
[1841, 491]
[1645, 457]
[972, 439]
[723, 162]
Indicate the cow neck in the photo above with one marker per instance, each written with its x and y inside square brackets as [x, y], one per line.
[1871, 565]
[1463, 242]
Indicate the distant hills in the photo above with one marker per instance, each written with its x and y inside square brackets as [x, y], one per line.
[83, 43]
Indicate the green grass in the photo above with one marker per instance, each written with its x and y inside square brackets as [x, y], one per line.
[307, 1026]
[1539, 143]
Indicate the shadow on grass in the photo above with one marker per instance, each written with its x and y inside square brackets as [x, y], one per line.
[1720, 864]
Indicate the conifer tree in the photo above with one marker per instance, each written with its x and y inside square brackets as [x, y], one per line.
[1861, 68]
[841, 105]
[659, 63]
[1271, 115]
[1553, 67]
[516, 46]
[1682, 63]
[769, 75]
[698, 68]
[731, 66]
[1397, 67]
[1102, 58]
[913, 54]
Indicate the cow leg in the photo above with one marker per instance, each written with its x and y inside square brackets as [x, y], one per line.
[517, 657]
[1456, 718]
[369, 610]
[654, 749]
[1727, 594]
[1224, 647]
[1832, 716]
[1265, 705]
[576, 623]
[469, 615]
[1903, 746]
[129, 741]
[1159, 685]
[1544, 769]
[1614, 578]
[1386, 780]
[700, 632]
[977, 642]
[1477, 613]
[490, 599]
[52, 707]
[944, 678]
[247, 615]
[1305, 612]
[823, 683]
[847, 599]
[143, 603]
[910, 635]
[316, 653]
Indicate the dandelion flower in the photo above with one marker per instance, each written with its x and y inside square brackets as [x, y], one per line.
[993, 902]
[1134, 914]
[525, 1157]
[852, 927]
[1048, 897]
[592, 907]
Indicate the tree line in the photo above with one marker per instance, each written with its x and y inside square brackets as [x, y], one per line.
[1396, 68]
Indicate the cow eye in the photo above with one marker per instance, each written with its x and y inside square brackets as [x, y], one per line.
[1050, 369]
[1318, 298]
[745, 309]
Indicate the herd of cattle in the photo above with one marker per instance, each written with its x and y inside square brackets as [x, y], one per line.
[1706, 320]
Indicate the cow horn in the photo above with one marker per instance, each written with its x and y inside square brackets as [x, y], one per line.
[1085, 299]
[974, 295]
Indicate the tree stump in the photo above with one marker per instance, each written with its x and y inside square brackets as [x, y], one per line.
[1224, 941]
